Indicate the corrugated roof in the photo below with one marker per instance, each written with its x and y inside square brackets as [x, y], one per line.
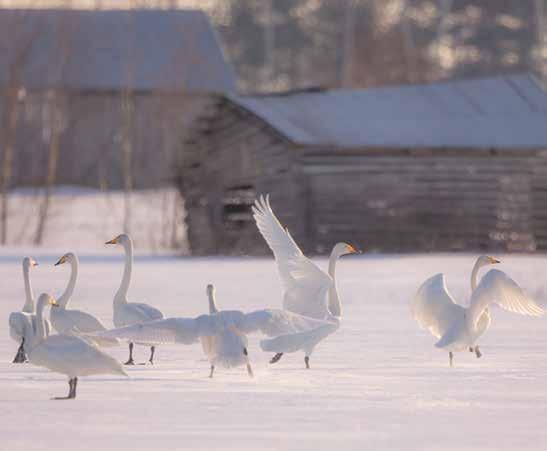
[503, 112]
[94, 50]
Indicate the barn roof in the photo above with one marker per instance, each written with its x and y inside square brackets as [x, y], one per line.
[504, 112]
[111, 49]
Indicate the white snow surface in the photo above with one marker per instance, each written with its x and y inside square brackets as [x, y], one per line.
[376, 384]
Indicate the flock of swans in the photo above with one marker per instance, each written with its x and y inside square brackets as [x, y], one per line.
[312, 310]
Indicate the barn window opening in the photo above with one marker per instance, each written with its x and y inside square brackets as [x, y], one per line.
[237, 205]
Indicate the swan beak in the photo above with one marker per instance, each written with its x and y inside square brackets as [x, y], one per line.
[112, 241]
[353, 250]
[61, 261]
[493, 260]
[34, 263]
[53, 302]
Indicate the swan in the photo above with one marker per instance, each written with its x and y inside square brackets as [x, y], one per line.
[222, 333]
[457, 327]
[66, 321]
[67, 354]
[127, 313]
[308, 290]
[19, 322]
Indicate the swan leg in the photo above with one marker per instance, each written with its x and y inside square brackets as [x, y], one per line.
[152, 350]
[130, 361]
[212, 371]
[478, 353]
[276, 357]
[71, 390]
[20, 357]
[471, 349]
[307, 362]
[451, 359]
[249, 369]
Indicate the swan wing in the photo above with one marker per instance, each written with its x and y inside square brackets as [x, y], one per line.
[146, 311]
[165, 331]
[274, 322]
[68, 319]
[434, 308]
[496, 287]
[305, 285]
[299, 341]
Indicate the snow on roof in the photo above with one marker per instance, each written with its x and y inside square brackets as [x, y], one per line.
[508, 112]
[111, 49]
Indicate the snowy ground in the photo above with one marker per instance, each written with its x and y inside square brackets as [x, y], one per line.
[376, 384]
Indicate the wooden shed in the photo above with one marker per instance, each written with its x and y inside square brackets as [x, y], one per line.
[448, 166]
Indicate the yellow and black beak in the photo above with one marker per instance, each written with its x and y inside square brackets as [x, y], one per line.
[53, 302]
[34, 263]
[61, 261]
[353, 250]
[493, 260]
[112, 241]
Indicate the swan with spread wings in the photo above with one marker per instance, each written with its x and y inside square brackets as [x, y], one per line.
[458, 328]
[308, 290]
[222, 333]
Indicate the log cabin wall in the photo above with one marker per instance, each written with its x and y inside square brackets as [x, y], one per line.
[230, 158]
[425, 200]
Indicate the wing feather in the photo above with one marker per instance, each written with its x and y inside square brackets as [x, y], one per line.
[275, 322]
[496, 287]
[434, 308]
[165, 331]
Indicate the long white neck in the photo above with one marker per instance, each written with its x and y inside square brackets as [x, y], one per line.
[212, 303]
[335, 306]
[29, 296]
[474, 274]
[67, 295]
[40, 334]
[121, 295]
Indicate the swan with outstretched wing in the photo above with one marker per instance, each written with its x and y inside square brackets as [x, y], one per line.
[222, 333]
[307, 289]
[457, 327]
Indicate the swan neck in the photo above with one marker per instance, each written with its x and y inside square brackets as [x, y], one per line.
[121, 295]
[40, 334]
[69, 290]
[212, 304]
[474, 274]
[334, 304]
[29, 295]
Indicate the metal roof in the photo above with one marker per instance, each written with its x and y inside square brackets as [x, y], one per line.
[504, 112]
[111, 49]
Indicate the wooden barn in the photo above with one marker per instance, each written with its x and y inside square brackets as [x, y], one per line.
[449, 166]
[99, 87]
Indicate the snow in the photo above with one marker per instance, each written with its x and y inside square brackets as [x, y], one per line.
[378, 383]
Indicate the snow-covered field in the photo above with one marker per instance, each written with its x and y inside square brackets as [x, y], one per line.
[377, 384]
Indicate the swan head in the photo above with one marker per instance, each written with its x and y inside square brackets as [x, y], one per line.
[69, 257]
[344, 249]
[46, 299]
[122, 239]
[29, 262]
[210, 290]
[485, 260]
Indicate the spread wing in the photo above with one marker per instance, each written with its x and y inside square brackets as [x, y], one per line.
[165, 331]
[434, 308]
[496, 287]
[274, 322]
[305, 284]
[146, 311]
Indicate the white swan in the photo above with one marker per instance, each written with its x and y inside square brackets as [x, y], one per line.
[128, 313]
[222, 332]
[21, 322]
[67, 354]
[457, 327]
[308, 290]
[67, 321]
